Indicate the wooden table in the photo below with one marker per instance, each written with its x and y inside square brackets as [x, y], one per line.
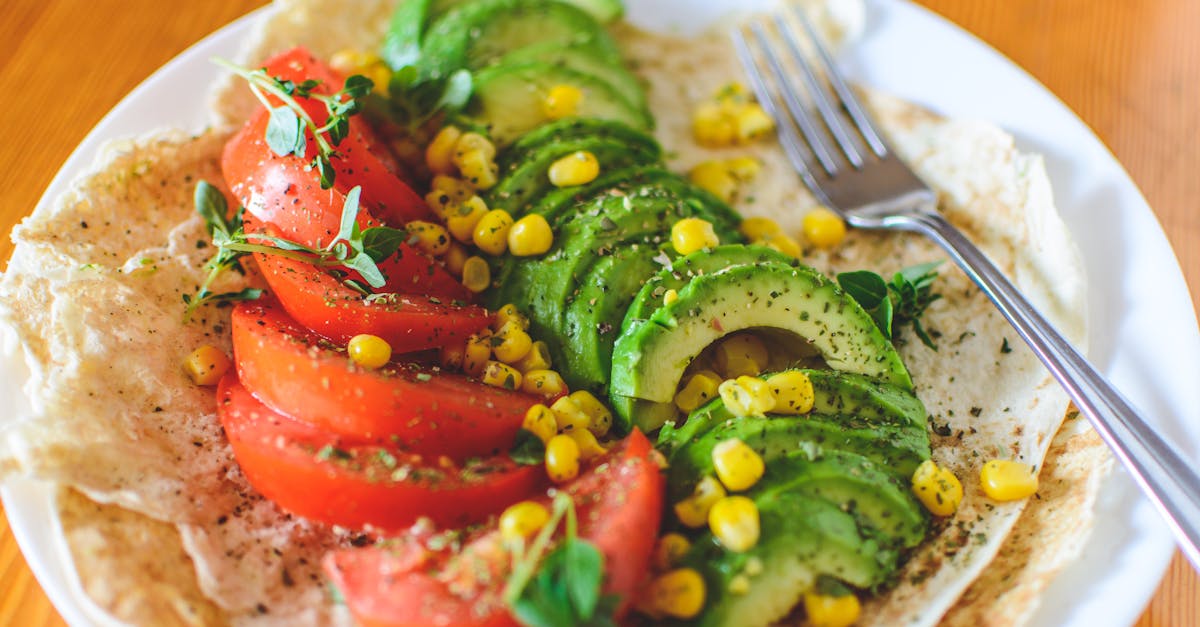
[1129, 69]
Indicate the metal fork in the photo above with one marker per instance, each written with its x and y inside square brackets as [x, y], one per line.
[838, 152]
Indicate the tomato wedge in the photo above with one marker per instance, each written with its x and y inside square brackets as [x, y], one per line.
[619, 505]
[323, 477]
[312, 380]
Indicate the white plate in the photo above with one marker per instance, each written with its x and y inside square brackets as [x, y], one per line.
[1143, 329]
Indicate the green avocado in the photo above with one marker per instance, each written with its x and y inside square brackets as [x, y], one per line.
[574, 128]
[585, 60]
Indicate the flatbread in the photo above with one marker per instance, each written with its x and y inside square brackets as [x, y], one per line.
[93, 294]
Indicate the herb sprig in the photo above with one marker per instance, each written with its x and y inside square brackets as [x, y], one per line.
[896, 303]
[210, 204]
[289, 122]
[564, 586]
[414, 99]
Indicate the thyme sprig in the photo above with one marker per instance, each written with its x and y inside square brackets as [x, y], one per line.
[901, 301]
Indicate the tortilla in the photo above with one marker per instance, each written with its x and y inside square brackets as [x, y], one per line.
[92, 295]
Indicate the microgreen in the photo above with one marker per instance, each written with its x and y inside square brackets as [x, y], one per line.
[414, 99]
[289, 123]
[527, 449]
[896, 303]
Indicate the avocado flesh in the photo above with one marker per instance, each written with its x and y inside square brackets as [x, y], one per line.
[573, 128]
[584, 60]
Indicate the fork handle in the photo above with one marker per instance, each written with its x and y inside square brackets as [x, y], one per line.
[1163, 474]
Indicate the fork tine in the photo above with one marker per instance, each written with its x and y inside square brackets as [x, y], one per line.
[818, 93]
[791, 99]
[861, 119]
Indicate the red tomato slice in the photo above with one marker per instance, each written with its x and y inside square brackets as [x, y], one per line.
[618, 505]
[320, 476]
[306, 377]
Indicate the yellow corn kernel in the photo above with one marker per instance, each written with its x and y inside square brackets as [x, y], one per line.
[491, 233]
[206, 365]
[823, 227]
[455, 258]
[740, 355]
[521, 520]
[511, 342]
[462, 218]
[669, 549]
[369, 351]
[716, 178]
[744, 169]
[477, 168]
[562, 101]
[692, 234]
[751, 122]
[757, 228]
[451, 357]
[699, 389]
[441, 202]
[476, 353]
[711, 127]
[1005, 480]
[439, 155]
[937, 488]
[501, 375]
[831, 611]
[679, 593]
[365, 63]
[784, 244]
[510, 313]
[739, 584]
[737, 465]
[531, 235]
[430, 237]
[474, 142]
[476, 275]
[693, 511]
[589, 446]
[599, 417]
[670, 297]
[538, 358]
[539, 420]
[577, 168]
[793, 392]
[570, 415]
[562, 458]
[734, 522]
[546, 383]
[746, 396]
[457, 189]
[732, 94]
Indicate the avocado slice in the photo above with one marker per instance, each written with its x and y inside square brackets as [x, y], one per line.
[649, 359]
[585, 60]
[574, 128]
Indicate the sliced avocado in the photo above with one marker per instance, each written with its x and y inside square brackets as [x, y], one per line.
[649, 359]
[603, 10]
[587, 61]
[574, 128]
[528, 180]
[508, 99]
[473, 34]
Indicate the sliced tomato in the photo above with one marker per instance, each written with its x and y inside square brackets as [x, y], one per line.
[422, 411]
[618, 504]
[324, 477]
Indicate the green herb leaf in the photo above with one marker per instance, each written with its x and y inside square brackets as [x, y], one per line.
[381, 242]
[902, 301]
[414, 99]
[528, 449]
[584, 565]
[864, 286]
[285, 132]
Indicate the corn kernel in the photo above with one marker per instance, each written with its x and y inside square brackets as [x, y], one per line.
[784, 244]
[670, 297]
[692, 234]
[823, 227]
[455, 258]
[369, 351]
[757, 228]
[577, 168]
[693, 511]
[699, 389]
[937, 488]
[547, 383]
[430, 238]
[734, 522]
[510, 313]
[365, 63]
[439, 155]
[716, 178]
[737, 465]
[739, 584]
[474, 142]
[589, 446]
[476, 353]
[740, 355]
[744, 169]
[510, 343]
[562, 101]
[206, 365]
[501, 375]
[476, 275]
[451, 357]
[793, 392]
[831, 611]
[669, 549]
[531, 235]
[477, 168]
[570, 415]
[732, 94]
[562, 458]
[746, 396]
[491, 233]
[538, 358]
[539, 420]
[442, 203]
[679, 593]
[711, 127]
[751, 122]
[462, 218]
[521, 520]
[599, 417]
[1005, 480]
[457, 189]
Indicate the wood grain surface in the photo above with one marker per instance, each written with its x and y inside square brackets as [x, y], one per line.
[1130, 70]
